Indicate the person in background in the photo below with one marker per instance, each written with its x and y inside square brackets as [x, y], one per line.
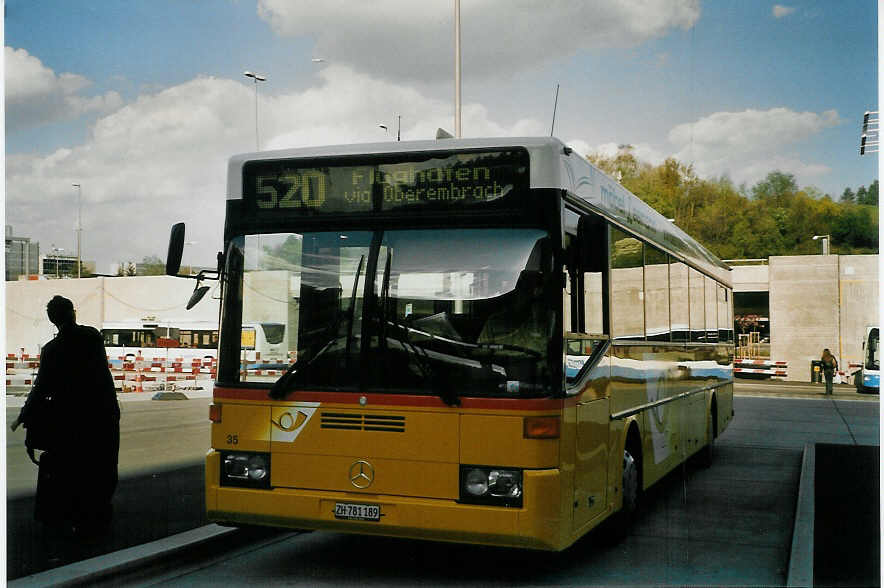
[84, 418]
[830, 364]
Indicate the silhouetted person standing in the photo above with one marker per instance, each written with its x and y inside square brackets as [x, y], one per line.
[83, 448]
[830, 364]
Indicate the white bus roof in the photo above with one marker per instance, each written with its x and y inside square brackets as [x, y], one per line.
[552, 165]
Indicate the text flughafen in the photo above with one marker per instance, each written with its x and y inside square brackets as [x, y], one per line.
[433, 184]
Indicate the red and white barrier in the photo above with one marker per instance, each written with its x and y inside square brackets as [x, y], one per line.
[133, 372]
[138, 372]
[761, 367]
[21, 368]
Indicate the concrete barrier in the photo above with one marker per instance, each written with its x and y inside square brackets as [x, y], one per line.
[801, 556]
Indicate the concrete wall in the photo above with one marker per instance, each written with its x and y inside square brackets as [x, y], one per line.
[98, 300]
[819, 301]
[859, 293]
[751, 278]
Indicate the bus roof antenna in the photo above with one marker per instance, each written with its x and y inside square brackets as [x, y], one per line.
[555, 106]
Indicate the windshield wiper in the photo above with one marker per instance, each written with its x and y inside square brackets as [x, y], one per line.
[278, 389]
[353, 308]
[443, 391]
[385, 293]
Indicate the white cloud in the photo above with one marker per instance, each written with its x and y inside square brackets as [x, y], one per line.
[747, 145]
[36, 95]
[643, 152]
[401, 39]
[349, 106]
[163, 158]
[781, 11]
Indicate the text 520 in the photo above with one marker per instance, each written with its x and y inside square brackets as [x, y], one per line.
[305, 189]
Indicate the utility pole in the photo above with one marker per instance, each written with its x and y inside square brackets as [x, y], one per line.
[457, 104]
[257, 78]
[79, 224]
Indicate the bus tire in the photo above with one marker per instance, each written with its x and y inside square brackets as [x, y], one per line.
[631, 484]
[707, 454]
[631, 488]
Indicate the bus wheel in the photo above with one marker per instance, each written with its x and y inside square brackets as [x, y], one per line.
[630, 487]
[621, 522]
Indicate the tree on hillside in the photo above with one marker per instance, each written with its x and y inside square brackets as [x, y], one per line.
[623, 166]
[126, 269]
[848, 195]
[868, 197]
[856, 227]
[773, 217]
[861, 195]
[151, 265]
[776, 189]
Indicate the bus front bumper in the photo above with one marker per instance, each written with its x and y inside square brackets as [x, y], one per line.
[538, 524]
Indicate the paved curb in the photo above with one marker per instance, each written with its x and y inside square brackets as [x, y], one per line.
[799, 390]
[801, 557]
[101, 567]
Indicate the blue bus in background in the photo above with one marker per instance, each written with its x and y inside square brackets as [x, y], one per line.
[868, 379]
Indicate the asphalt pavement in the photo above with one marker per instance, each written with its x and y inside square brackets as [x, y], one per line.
[153, 508]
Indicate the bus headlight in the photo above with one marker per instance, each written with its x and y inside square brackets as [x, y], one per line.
[249, 470]
[493, 486]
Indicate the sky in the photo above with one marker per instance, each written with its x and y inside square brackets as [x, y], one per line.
[142, 103]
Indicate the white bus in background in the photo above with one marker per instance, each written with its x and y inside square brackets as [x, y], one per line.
[265, 340]
[190, 339]
[155, 339]
[868, 379]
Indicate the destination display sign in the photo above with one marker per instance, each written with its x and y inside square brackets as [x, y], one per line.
[425, 180]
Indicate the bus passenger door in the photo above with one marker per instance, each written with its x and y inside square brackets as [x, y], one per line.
[591, 475]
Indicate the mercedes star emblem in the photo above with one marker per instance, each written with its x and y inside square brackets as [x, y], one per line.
[361, 474]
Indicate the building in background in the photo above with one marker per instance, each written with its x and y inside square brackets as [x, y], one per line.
[58, 265]
[801, 304]
[798, 305]
[22, 256]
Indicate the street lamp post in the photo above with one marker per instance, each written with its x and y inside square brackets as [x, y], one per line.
[56, 251]
[398, 128]
[825, 241]
[457, 94]
[79, 223]
[257, 78]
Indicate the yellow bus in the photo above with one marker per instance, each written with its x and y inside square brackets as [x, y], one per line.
[493, 342]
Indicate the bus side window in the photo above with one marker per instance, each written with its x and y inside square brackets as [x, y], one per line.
[678, 300]
[627, 287]
[711, 304]
[697, 305]
[656, 294]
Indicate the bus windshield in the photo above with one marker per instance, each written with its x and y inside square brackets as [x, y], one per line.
[438, 311]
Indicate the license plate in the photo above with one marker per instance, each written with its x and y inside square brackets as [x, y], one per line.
[357, 512]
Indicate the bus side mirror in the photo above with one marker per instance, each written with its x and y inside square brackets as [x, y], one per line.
[197, 295]
[592, 244]
[176, 249]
